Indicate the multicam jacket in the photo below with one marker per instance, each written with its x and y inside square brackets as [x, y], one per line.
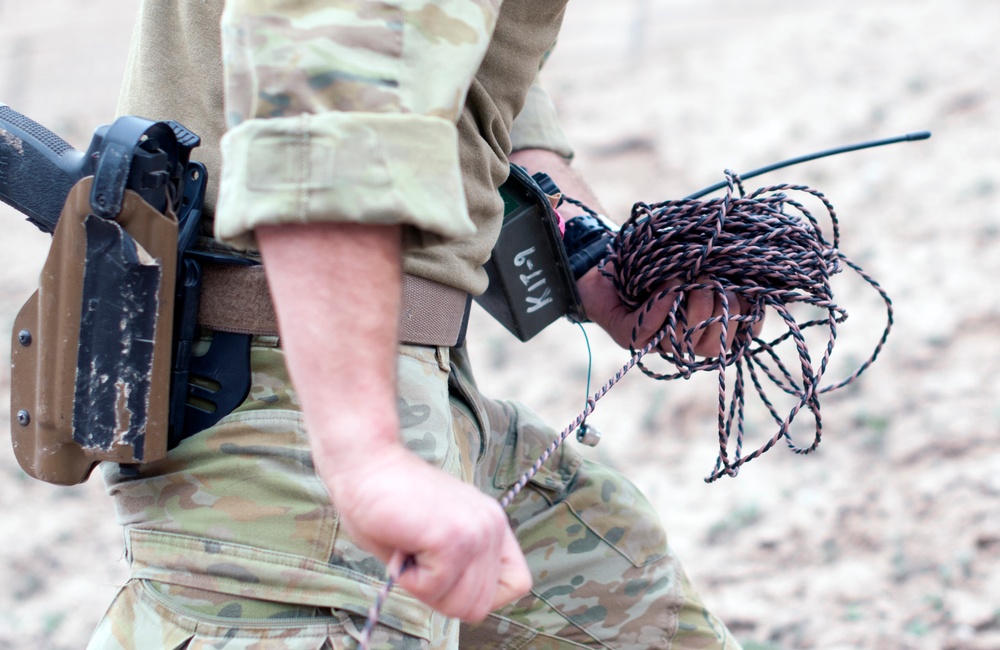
[346, 110]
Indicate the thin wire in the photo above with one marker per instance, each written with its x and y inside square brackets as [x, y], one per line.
[590, 367]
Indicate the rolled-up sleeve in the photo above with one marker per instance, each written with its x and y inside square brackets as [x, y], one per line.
[346, 111]
[537, 125]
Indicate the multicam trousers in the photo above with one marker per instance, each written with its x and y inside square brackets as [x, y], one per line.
[233, 542]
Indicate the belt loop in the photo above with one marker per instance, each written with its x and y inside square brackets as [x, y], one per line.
[443, 356]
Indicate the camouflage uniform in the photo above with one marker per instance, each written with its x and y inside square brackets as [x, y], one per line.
[232, 540]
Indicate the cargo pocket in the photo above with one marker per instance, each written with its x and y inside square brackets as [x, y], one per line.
[599, 559]
[425, 424]
[147, 615]
[598, 506]
[518, 439]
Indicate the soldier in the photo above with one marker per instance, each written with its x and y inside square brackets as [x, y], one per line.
[358, 148]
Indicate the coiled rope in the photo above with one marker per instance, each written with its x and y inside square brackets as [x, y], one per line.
[765, 250]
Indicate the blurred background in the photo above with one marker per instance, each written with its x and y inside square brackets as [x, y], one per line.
[888, 536]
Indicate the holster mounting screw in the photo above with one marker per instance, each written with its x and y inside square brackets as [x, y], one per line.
[23, 418]
[24, 338]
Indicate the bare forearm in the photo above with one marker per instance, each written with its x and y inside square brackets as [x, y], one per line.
[336, 290]
[569, 181]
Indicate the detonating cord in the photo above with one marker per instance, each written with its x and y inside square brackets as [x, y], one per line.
[763, 251]
[508, 497]
[365, 637]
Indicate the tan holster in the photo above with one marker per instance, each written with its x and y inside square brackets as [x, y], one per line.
[91, 349]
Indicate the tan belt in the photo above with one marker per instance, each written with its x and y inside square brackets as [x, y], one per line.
[236, 299]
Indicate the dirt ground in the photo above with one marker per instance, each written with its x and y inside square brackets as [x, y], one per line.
[889, 535]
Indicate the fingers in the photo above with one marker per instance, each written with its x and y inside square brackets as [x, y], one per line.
[647, 323]
[701, 305]
[721, 307]
[723, 311]
[466, 558]
[477, 569]
[636, 328]
[758, 325]
[515, 577]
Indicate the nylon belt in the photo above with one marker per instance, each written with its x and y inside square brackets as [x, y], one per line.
[237, 299]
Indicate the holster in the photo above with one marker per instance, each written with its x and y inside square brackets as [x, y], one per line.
[91, 349]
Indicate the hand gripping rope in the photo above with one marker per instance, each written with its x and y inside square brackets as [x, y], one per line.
[767, 251]
[764, 249]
